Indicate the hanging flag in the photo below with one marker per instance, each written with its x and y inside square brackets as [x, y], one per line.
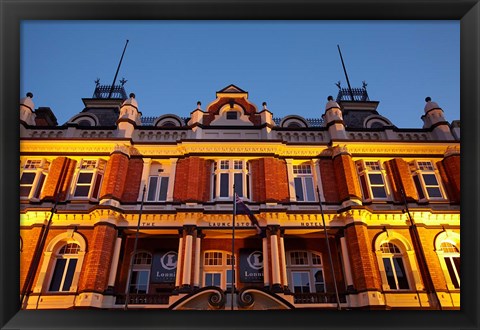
[241, 208]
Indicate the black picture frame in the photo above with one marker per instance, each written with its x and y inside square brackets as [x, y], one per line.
[13, 12]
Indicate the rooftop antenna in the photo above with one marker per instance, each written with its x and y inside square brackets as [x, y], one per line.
[116, 73]
[346, 75]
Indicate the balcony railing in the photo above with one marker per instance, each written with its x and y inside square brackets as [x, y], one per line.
[318, 298]
[143, 299]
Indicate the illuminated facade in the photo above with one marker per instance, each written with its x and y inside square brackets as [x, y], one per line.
[389, 197]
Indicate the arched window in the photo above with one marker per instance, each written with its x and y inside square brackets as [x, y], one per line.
[65, 265]
[394, 266]
[447, 248]
[451, 255]
[140, 273]
[217, 269]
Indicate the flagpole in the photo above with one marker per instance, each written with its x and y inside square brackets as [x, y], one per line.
[130, 270]
[233, 244]
[328, 249]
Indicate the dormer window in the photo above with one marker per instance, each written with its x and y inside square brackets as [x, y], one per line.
[232, 115]
[89, 178]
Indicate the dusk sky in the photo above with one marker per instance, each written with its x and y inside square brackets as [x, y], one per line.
[291, 65]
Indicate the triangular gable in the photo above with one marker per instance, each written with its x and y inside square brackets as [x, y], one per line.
[232, 89]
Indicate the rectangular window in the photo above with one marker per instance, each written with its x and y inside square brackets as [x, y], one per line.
[319, 281]
[303, 183]
[401, 274]
[213, 279]
[63, 274]
[227, 174]
[32, 178]
[229, 279]
[58, 275]
[139, 281]
[426, 180]
[157, 188]
[238, 179]
[89, 179]
[301, 282]
[389, 273]
[371, 180]
[299, 258]
[232, 115]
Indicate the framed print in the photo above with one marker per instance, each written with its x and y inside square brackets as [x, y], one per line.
[176, 196]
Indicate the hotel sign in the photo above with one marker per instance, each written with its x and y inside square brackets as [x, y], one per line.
[164, 267]
[251, 266]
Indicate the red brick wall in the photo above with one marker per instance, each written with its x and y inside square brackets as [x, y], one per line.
[98, 258]
[133, 181]
[346, 177]
[115, 175]
[329, 184]
[269, 180]
[30, 238]
[427, 238]
[362, 259]
[192, 180]
[399, 176]
[58, 179]
[451, 176]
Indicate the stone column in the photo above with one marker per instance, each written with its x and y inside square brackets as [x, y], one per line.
[266, 260]
[346, 263]
[283, 266]
[114, 265]
[276, 274]
[179, 260]
[187, 260]
[198, 255]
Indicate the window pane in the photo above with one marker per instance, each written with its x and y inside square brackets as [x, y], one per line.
[389, 273]
[163, 189]
[25, 191]
[81, 191]
[224, 185]
[301, 282]
[72, 263]
[229, 278]
[430, 179]
[434, 192]
[298, 189]
[85, 178]
[39, 185]
[451, 272]
[232, 115]
[401, 275]
[27, 178]
[57, 275]
[363, 182]
[375, 179]
[238, 177]
[214, 186]
[96, 189]
[379, 192]
[152, 188]
[309, 189]
[419, 187]
[319, 282]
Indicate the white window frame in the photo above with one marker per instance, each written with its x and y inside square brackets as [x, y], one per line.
[302, 173]
[69, 257]
[365, 168]
[310, 266]
[140, 268]
[426, 167]
[442, 255]
[161, 183]
[230, 168]
[85, 166]
[391, 256]
[39, 169]
[223, 267]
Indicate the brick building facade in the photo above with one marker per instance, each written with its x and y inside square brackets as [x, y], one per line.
[389, 198]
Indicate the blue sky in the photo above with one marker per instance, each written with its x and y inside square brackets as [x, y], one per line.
[291, 65]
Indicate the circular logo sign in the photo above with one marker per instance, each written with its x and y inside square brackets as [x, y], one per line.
[169, 260]
[255, 260]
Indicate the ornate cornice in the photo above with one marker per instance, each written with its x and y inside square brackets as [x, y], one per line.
[394, 149]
